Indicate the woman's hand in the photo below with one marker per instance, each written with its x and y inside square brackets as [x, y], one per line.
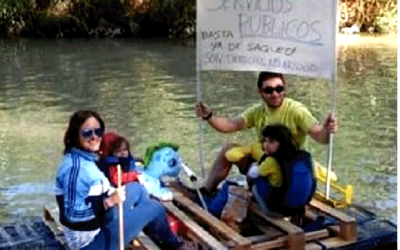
[117, 197]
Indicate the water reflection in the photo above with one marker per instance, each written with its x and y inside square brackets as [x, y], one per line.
[146, 89]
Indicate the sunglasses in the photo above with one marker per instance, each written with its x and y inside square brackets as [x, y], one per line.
[278, 89]
[87, 133]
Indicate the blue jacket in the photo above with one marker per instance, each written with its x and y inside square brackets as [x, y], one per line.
[80, 189]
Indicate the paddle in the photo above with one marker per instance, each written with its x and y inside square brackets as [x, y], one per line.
[121, 216]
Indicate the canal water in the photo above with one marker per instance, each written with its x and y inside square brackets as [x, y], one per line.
[146, 89]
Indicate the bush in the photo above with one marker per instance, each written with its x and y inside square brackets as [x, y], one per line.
[151, 18]
[386, 21]
[369, 15]
[11, 11]
[165, 18]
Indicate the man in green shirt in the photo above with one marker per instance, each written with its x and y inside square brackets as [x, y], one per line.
[276, 108]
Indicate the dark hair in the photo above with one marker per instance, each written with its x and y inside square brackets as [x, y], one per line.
[117, 143]
[287, 146]
[265, 75]
[71, 137]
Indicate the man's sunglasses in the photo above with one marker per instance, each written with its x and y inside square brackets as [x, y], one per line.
[87, 133]
[278, 89]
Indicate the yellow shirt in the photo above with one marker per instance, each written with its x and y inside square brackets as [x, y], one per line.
[270, 168]
[291, 114]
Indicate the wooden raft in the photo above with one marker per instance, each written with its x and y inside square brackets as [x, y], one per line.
[287, 235]
[276, 233]
[142, 242]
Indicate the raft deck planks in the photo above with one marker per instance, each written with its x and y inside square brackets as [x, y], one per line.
[55, 227]
[294, 237]
[220, 236]
[200, 235]
[348, 225]
[218, 226]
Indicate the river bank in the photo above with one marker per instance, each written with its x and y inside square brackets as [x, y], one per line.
[152, 18]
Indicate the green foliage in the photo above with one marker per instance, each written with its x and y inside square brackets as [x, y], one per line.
[386, 20]
[10, 12]
[151, 18]
[166, 18]
[92, 11]
[369, 15]
[42, 24]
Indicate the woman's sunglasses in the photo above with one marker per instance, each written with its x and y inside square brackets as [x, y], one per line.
[278, 89]
[87, 133]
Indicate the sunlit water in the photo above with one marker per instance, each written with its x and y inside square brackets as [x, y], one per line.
[146, 89]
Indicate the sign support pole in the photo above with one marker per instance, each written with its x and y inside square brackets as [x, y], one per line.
[333, 96]
[199, 97]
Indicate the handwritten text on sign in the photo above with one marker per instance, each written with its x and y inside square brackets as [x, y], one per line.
[288, 36]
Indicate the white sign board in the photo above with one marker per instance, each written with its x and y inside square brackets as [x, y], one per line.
[287, 36]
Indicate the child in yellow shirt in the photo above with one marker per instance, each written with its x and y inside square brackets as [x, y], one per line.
[286, 181]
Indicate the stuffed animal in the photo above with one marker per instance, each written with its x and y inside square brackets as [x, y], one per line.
[164, 159]
[160, 160]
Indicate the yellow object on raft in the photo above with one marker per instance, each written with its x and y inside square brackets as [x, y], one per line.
[235, 154]
[346, 192]
[321, 172]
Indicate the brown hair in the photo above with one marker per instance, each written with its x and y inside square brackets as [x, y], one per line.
[111, 142]
[71, 137]
[265, 75]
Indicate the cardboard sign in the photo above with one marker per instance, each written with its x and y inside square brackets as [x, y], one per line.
[287, 36]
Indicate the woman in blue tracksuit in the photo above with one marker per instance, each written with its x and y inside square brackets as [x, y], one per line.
[87, 202]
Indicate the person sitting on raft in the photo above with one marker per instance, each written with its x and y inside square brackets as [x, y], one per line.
[275, 107]
[87, 202]
[285, 181]
[114, 150]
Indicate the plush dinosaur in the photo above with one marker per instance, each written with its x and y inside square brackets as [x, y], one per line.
[160, 160]
[164, 159]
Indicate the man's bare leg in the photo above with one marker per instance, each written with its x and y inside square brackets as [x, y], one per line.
[221, 168]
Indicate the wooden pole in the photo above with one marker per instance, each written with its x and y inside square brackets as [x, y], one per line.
[121, 215]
